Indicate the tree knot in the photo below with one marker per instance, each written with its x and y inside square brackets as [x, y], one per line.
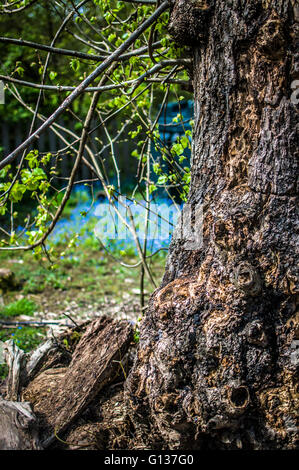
[247, 279]
[189, 21]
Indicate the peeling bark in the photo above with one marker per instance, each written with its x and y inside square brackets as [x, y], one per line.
[216, 366]
[14, 358]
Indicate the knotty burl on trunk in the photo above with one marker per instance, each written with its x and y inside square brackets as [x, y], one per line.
[216, 364]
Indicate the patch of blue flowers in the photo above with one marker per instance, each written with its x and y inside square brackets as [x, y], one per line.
[92, 220]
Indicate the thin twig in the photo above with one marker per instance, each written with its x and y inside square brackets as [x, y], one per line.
[84, 84]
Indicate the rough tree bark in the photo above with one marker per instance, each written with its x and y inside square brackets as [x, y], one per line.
[216, 364]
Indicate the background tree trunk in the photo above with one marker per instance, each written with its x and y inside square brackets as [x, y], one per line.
[217, 361]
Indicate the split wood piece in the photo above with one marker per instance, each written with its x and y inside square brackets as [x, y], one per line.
[18, 426]
[14, 358]
[52, 353]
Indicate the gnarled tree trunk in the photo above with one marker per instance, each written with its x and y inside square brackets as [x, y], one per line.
[216, 363]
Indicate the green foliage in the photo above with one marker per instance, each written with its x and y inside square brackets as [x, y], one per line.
[19, 307]
[43, 278]
[170, 171]
[112, 23]
[32, 182]
[136, 333]
[75, 65]
[26, 338]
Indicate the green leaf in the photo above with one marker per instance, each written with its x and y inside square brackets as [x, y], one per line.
[75, 64]
[162, 179]
[52, 75]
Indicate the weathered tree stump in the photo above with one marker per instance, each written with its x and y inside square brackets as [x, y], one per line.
[95, 362]
[60, 394]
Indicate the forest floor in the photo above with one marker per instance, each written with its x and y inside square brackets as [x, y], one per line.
[77, 279]
[81, 285]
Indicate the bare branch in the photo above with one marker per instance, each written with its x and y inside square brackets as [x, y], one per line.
[84, 84]
[137, 81]
[17, 10]
[71, 53]
[54, 50]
